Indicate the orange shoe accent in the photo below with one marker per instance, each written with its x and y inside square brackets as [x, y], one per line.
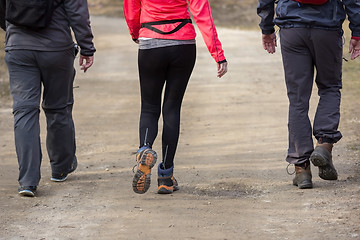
[142, 179]
[141, 183]
[163, 189]
[166, 187]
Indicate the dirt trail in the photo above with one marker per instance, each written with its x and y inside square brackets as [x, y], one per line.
[230, 160]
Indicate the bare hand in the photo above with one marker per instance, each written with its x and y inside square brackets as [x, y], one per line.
[354, 48]
[222, 68]
[269, 42]
[85, 62]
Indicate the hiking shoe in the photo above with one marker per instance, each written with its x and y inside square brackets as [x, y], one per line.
[146, 159]
[166, 182]
[321, 157]
[61, 177]
[303, 176]
[27, 191]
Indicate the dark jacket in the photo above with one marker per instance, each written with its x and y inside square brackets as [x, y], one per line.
[2, 14]
[291, 14]
[72, 14]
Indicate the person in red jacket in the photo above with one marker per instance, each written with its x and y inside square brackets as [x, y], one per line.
[167, 52]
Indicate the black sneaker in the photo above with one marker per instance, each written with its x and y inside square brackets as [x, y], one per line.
[61, 177]
[27, 191]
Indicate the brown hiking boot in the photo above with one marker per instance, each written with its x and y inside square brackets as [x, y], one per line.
[303, 177]
[322, 158]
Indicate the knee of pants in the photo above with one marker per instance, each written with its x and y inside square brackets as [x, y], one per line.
[153, 109]
[26, 116]
[58, 109]
[171, 110]
[59, 105]
[171, 118]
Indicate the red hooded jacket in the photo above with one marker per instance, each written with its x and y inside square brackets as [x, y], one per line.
[138, 12]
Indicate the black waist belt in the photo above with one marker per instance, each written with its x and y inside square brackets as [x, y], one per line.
[149, 25]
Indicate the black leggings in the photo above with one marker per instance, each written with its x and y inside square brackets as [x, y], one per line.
[174, 66]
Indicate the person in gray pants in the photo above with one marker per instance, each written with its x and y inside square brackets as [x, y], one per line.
[311, 37]
[39, 59]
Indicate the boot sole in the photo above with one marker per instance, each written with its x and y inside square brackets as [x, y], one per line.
[142, 178]
[59, 179]
[165, 189]
[307, 185]
[26, 193]
[326, 170]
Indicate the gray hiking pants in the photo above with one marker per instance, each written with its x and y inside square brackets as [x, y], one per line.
[303, 50]
[29, 71]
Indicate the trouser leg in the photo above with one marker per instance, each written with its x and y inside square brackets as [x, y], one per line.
[25, 87]
[152, 68]
[328, 61]
[58, 74]
[299, 71]
[179, 71]
[302, 50]
[172, 65]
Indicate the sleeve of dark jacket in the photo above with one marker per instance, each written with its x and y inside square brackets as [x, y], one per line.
[266, 11]
[2, 14]
[79, 18]
[352, 8]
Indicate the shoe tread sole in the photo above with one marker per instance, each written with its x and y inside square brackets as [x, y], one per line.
[165, 189]
[304, 185]
[142, 177]
[58, 179]
[323, 161]
[27, 193]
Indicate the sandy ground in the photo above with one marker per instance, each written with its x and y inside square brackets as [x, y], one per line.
[230, 160]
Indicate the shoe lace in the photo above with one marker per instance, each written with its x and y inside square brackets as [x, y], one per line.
[287, 170]
[136, 165]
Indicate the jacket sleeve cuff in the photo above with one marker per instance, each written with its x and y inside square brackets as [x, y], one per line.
[87, 54]
[356, 38]
[268, 31]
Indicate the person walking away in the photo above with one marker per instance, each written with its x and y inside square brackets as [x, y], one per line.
[39, 58]
[166, 57]
[311, 38]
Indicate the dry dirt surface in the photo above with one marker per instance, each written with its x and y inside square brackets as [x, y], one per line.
[230, 161]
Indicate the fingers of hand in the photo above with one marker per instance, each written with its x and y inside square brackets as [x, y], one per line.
[222, 69]
[270, 47]
[350, 48]
[355, 53]
[86, 63]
